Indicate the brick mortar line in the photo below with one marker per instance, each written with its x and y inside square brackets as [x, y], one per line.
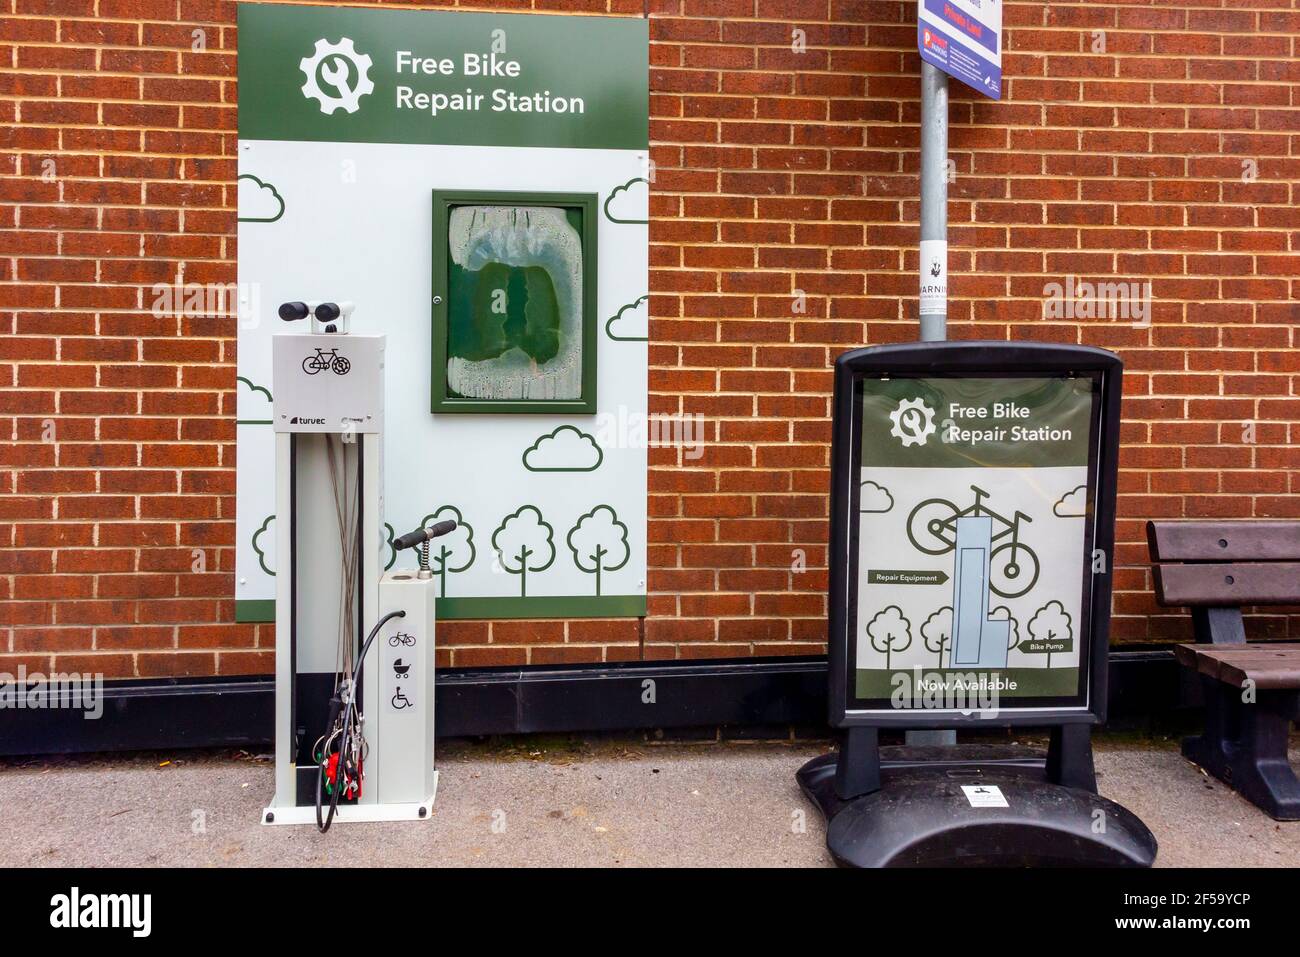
[759, 47]
[702, 244]
[719, 73]
[151, 390]
[822, 152]
[61, 19]
[722, 170]
[730, 270]
[864, 147]
[741, 170]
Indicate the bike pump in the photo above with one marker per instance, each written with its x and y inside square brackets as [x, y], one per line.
[354, 646]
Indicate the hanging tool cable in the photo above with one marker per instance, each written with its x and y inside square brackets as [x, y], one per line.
[347, 514]
[341, 750]
[340, 758]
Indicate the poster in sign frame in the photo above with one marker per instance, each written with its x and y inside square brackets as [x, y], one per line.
[972, 533]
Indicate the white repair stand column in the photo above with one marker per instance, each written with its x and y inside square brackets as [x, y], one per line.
[319, 399]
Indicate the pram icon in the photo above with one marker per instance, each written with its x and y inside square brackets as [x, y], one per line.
[401, 670]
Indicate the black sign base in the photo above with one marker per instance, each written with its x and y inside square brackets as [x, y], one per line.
[918, 815]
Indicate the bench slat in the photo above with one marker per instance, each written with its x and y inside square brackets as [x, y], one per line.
[1188, 657]
[1184, 541]
[1214, 584]
[1272, 666]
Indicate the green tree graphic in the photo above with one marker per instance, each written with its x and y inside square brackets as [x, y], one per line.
[1051, 623]
[451, 553]
[889, 632]
[599, 543]
[523, 543]
[936, 632]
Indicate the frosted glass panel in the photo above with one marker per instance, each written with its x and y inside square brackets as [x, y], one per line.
[515, 308]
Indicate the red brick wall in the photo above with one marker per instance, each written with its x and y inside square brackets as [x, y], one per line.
[777, 171]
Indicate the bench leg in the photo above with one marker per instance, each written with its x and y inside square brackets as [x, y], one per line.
[1214, 749]
[1245, 746]
[1262, 772]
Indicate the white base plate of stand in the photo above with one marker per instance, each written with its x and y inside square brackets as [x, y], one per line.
[354, 813]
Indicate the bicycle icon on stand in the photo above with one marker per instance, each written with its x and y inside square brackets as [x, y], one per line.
[1013, 565]
[323, 361]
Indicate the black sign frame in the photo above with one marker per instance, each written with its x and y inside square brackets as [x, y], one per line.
[973, 359]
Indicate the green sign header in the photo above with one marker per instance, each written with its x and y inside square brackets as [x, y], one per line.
[353, 75]
[980, 422]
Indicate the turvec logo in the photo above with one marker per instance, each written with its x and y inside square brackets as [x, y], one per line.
[913, 422]
[344, 72]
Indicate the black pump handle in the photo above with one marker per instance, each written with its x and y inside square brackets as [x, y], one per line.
[422, 535]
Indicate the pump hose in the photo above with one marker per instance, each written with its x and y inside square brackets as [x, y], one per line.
[323, 822]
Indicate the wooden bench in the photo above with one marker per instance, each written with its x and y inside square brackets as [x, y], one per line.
[1252, 691]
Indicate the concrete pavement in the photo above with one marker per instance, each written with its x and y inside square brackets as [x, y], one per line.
[551, 802]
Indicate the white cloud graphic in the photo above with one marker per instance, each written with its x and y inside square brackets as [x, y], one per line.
[1073, 504]
[567, 449]
[875, 498]
[252, 403]
[629, 203]
[258, 202]
[631, 323]
[263, 543]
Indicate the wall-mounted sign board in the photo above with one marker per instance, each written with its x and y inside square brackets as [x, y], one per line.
[972, 525]
[477, 184]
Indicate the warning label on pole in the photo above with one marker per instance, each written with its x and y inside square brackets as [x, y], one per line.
[934, 277]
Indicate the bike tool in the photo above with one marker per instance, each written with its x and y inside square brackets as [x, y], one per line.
[422, 537]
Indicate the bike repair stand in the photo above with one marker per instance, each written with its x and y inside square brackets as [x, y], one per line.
[328, 415]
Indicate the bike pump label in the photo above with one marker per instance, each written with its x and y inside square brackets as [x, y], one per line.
[973, 514]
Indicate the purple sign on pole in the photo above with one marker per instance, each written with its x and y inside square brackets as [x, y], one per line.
[964, 39]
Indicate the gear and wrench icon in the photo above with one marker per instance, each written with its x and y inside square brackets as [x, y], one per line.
[330, 63]
[913, 422]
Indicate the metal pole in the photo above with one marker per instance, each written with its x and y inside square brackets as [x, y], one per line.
[934, 204]
[934, 250]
